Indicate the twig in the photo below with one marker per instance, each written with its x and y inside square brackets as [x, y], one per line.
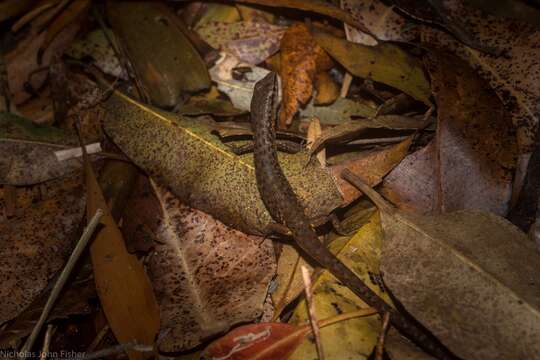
[117, 349]
[46, 342]
[100, 335]
[311, 311]
[61, 281]
[379, 350]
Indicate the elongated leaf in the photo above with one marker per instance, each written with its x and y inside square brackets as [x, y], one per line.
[469, 276]
[384, 63]
[183, 154]
[207, 276]
[123, 287]
[166, 71]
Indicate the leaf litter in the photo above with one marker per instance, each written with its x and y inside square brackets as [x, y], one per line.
[188, 263]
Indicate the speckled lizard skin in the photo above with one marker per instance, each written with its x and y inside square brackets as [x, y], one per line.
[285, 208]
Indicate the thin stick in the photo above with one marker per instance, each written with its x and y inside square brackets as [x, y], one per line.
[46, 342]
[61, 281]
[311, 311]
[117, 349]
[94, 344]
[379, 350]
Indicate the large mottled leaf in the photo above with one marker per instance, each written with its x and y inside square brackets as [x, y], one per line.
[476, 147]
[469, 276]
[385, 63]
[250, 41]
[411, 184]
[469, 164]
[143, 28]
[207, 276]
[28, 152]
[34, 246]
[183, 154]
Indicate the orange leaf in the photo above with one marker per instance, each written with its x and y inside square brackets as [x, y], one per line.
[123, 287]
[265, 341]
[301, 59]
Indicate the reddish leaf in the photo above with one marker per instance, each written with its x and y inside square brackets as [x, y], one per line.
[266, 341]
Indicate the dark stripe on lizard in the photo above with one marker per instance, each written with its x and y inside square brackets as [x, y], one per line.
[285, 208]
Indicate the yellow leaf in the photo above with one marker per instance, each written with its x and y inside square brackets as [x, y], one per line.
[347, 339]
[124, 289]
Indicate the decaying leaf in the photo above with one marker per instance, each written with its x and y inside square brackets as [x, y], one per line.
[513, 74]
[250, 41]
[301, 59]
[327, 89]
[354, 338]
[96, 45]
[124, 290]
[74, 300]
[143, 28]
[411, 184]
[316, 6]
[385, 63]
[34, 246]
[210, 178]
[207, 277]
[476, 147]
[28, 152]
[469, 276]
[72, 12]
[23, 65]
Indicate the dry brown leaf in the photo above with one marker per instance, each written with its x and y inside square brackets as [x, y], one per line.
[142, 28]
[75, 9]
[301, 59]
[34, 246]
[469, 164]
[513, 74]
[411, 184]
[23, 61]
[476, 145]
[124, 290]
[468, 276]
[251, 42]
[371, 166]
[207, 277]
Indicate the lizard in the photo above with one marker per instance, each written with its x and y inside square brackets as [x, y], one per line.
[286, 209]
